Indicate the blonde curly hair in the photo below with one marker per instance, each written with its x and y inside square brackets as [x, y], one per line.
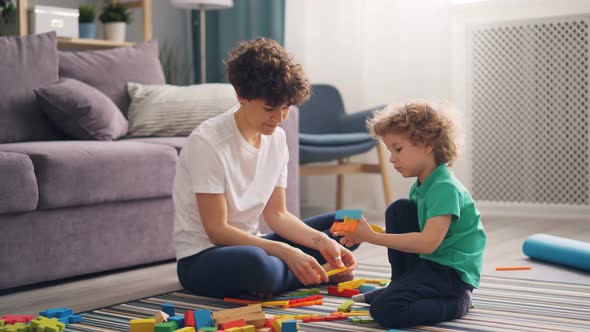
[424, 123]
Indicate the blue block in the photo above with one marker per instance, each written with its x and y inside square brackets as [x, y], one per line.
[168, 308]
[558, 250]
[289, 326]
[366, 288]
[203, 318]
[351, 214]
[57, 312]
[179, 319]
[75, 318]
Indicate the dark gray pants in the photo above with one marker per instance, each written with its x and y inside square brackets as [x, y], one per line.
[421, 292]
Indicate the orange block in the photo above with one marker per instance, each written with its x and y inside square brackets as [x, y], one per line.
[513, 268]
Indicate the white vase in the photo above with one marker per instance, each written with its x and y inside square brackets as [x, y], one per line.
[115, 31]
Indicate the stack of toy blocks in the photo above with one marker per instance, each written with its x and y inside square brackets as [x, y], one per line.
[50, 320]
[245, 319]
[346, 221]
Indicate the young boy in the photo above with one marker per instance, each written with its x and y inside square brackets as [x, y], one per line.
[232, 172]
[435, 239]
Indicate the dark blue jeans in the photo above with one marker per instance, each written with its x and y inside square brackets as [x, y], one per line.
[235, 270]
[421, 292]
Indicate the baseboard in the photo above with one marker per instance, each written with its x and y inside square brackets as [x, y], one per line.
[539, 211]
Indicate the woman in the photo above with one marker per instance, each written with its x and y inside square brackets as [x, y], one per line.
[231, 173]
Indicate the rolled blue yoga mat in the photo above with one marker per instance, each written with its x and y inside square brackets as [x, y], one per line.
[558, 250]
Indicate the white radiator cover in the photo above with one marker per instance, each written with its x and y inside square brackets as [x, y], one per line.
[528, 96]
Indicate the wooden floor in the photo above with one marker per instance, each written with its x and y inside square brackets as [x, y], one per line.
[505, 238]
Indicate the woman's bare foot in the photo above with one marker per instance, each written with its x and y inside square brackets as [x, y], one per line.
[340, 277]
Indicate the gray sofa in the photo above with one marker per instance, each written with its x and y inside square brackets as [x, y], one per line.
[74, 207]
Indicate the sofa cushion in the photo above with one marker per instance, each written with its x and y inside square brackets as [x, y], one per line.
[73, 173]
[18, 192]
[110, 70]
[175, 142]
[169, 110]
[26, 63]
[81, 111]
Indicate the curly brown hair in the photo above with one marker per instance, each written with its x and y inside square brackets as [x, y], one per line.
[423, 123]
[262, 68]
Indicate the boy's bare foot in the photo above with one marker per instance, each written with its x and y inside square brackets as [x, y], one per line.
[340, 277]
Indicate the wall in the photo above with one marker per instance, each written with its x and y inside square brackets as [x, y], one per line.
[492, 11]
[375, 52]
[383, 51]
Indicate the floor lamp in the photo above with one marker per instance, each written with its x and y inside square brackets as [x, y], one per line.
[202, 6]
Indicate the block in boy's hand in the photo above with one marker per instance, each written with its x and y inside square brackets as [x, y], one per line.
[350, 214]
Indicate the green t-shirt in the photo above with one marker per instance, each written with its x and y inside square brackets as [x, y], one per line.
[465, 241]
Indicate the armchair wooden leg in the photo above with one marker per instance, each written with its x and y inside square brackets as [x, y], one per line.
[339, 188]
[385, 177]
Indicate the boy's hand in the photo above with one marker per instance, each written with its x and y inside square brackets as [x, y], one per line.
[361, 234]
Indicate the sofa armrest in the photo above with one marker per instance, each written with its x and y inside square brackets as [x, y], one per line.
[291, 127]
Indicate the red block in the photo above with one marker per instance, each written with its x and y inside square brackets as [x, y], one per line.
[333, 290]
[235, 323]
[189, 318]
[11, 319]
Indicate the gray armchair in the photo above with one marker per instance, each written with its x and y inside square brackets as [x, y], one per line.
[327, 133]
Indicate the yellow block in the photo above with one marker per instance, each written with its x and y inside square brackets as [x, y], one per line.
[376, 229]
[248, 328]
[336, 271]
[274, 303]
[186, 329]
[142, 325]
[353, 284]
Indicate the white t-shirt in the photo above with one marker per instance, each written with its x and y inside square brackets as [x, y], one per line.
[217, 159]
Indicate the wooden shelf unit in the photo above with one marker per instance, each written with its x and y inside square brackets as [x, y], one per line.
[78, 43]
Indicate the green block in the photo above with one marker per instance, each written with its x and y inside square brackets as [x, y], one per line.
[1, 322]
[166, 327]
[344, 307]
[306, 292]
[208, 329]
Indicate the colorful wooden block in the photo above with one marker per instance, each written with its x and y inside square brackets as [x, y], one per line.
[179, 319]
[203, 318]
[208, 329]
[249, 328]
[168, 307]
[345, 307]
[306, 292]
[235, 323]
[166, 327]
[43, 324]
[289, 326]
[352, 214]
[161, 317]
[12, 319]
[142, 325]
[187, 329]
[189, 318]
[366, 288]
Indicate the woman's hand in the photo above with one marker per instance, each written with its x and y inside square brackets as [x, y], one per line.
[361, 234]
[305, 267]
[335, 254]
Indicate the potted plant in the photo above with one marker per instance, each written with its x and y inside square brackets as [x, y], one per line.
[115, 16]
[7, 9]
[86, 21]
